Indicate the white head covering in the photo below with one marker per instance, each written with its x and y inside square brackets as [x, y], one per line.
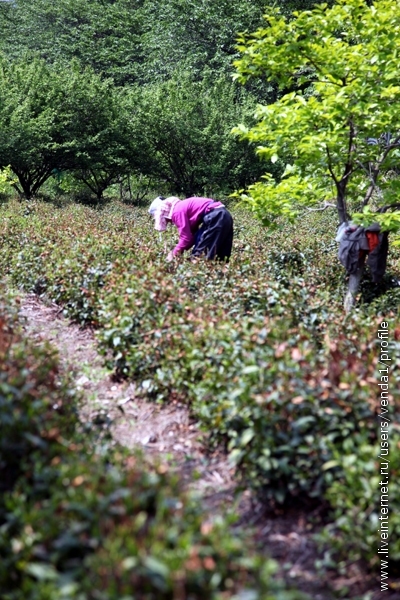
[163, 211]
[157, 202]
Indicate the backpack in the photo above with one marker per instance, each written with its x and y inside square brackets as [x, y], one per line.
[356, 242]
[352, 248]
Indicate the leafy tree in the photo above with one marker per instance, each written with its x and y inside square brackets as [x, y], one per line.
[199, 36]
[332, 134]
[102, 34]
[115, 148]
[32, 137]
[133, 40]
[194, 35]
[186, 126]
[59, 119]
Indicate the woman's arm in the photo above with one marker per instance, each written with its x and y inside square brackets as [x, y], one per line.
[180, 218]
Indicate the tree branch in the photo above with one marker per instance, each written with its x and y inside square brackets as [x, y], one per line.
[376, 170]
[323, 207]
[396, 205]
[330, 166]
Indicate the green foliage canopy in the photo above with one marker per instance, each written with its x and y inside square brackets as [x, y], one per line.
[343, 64]
[104, 35]
[186, 124]
[197, 36]
[130, 40]
[65, 118]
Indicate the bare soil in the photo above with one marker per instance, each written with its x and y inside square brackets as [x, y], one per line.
[169, 434]
[164, 432]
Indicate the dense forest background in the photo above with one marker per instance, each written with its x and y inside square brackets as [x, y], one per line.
[140, 93]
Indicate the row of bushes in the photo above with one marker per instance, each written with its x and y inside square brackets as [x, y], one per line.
[258, 348]
[75, 523]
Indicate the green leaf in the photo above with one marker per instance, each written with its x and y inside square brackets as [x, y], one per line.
[330, 465]
[41, 571]
[246, 437]
[155, 565]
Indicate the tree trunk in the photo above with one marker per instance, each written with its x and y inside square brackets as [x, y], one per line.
[341, 201]
[355, 278]
[26, 187]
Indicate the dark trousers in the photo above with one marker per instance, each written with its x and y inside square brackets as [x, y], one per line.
[215, 236]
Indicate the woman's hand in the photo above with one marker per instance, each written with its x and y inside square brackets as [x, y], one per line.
[170, 257]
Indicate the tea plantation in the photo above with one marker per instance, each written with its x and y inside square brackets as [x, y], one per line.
[261, 351]
[80, 519]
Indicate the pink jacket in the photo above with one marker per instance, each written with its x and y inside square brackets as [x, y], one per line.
[187, 216]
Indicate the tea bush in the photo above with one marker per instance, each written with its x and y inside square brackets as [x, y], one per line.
[282, 405]
[35, 403]
[259, 348]
[354, 531]
[356, 493]
[79, 525]
[112, 531]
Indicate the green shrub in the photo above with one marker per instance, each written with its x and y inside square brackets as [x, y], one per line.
[278, 401]
[354, 531]
[79, 525]
[122, 530]
[259, 348]
[35, 404]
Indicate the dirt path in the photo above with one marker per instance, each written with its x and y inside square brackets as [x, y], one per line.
[165, 432]
[169, 434]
